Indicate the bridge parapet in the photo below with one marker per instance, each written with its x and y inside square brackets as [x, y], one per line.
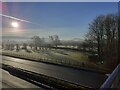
[113, 81]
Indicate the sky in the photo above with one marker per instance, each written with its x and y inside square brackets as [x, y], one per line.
[68, 20]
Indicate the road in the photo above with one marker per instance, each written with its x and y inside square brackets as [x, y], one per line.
[10, 81]
[90, 79]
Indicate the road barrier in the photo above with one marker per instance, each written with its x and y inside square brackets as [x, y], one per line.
[113, 81]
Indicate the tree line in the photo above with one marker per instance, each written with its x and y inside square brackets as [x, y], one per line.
[35, 43]
[104, 35]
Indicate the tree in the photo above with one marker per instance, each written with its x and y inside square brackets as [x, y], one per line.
[55, 40]
[96, 33]
[24, 46]
[104, 31]
[36, 41]
[90, 45]
[31, 45]
[17, 47]
[111, 36]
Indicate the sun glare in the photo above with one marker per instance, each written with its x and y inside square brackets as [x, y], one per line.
[15, 24]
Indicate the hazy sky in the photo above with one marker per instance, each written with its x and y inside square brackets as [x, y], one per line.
[68, 20]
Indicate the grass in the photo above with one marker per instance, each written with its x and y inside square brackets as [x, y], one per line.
[60, 57]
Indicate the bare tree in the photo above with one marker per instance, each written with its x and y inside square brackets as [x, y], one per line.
[24, 46]
[111, 37]
[55, 40]
[36, 42]
[104, 31]
[96, 33]
[17, 47]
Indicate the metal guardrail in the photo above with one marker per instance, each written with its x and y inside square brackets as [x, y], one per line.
[113, 81]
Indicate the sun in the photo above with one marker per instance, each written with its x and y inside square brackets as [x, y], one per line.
[15, 24]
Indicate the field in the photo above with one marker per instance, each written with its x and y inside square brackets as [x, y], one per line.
[62, 57]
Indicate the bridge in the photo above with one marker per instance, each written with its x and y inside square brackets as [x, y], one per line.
[113, 81]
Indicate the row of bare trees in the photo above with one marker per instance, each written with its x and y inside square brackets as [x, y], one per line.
[34, 43]
[104, 32]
